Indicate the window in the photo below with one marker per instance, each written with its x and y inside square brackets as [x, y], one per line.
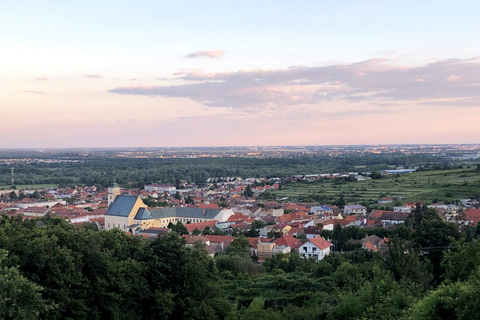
[314, 249]
[305, 249]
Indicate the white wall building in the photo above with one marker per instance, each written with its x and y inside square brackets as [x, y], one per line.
[315, 248]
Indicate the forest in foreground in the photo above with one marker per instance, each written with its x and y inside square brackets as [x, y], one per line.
[53, 270]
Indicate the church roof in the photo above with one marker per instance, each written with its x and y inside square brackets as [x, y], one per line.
[122, 206]
[186, 212]
[143, 214]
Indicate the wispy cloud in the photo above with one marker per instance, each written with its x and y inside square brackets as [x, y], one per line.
[35, 92]
[42, 79]
[373, 80]
[93, 76]
[210, 54]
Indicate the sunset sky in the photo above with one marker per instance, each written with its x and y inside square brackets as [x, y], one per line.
[234, 73]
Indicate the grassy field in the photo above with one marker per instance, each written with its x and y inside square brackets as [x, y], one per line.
[446, 185]
[31, 186]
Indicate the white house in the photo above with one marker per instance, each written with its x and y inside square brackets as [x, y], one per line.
[160, 188]
[315, 248]
[406, 209]
[354, 209]
[321, 210]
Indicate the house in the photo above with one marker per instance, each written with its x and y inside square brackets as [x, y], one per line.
[200, 226]
[315, 248]
[266, 249]
[282, 228]
[313, 231]
[153, 232]
[406, 209]
[354, 209]
[373, 240]
[473, 215]
[385, 200]
[288, 241]
[377, 214]
[389, 217]
[160, 188]
[324, 210]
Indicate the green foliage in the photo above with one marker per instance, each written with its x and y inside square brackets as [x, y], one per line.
[405, 264]
[258, 224]
[458, 300]
[13, 195]
[178, 228]
[248, 192]
[462, 261]
[85, 273]
[239, 245]
[20, 298]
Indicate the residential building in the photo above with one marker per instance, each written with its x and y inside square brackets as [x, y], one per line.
[354, 209]
[315, 248]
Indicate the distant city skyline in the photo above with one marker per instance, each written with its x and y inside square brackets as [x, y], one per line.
[218, 73]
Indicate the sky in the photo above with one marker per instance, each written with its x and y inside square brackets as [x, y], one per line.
[77, 74]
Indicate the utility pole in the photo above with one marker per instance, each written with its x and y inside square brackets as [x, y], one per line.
[13, 179]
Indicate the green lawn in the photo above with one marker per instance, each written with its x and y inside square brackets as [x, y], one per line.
[447, 185]
[31, 186]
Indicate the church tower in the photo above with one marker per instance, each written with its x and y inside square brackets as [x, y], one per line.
[113, 192]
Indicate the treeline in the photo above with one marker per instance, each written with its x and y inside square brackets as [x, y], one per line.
[137, 172]
[52, 270]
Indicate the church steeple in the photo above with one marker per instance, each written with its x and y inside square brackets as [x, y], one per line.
[113, 191]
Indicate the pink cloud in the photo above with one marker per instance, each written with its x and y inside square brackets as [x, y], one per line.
[453, 78]
[35, 92]
[210, 54]
[374, 80]
[93, 76]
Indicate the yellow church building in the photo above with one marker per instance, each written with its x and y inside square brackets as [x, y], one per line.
[129, 213]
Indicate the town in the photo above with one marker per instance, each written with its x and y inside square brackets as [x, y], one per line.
[224, 208]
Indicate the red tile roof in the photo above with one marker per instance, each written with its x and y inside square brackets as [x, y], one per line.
[200, 225]
[473, 215]
[288, 241]
[320, 243]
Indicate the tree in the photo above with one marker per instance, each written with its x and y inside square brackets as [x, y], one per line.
[257, 224]
[458, 300]
[376, 175]
[433, 237]
[36, 195]
[180, 228]
[13, 195]
[177, 196]
[189, 200]
[405, 263]
[206, 231]
[19, 297]
[462, 262]
[337, 237]
[341, 201]
[248, 192]
[239, 245]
